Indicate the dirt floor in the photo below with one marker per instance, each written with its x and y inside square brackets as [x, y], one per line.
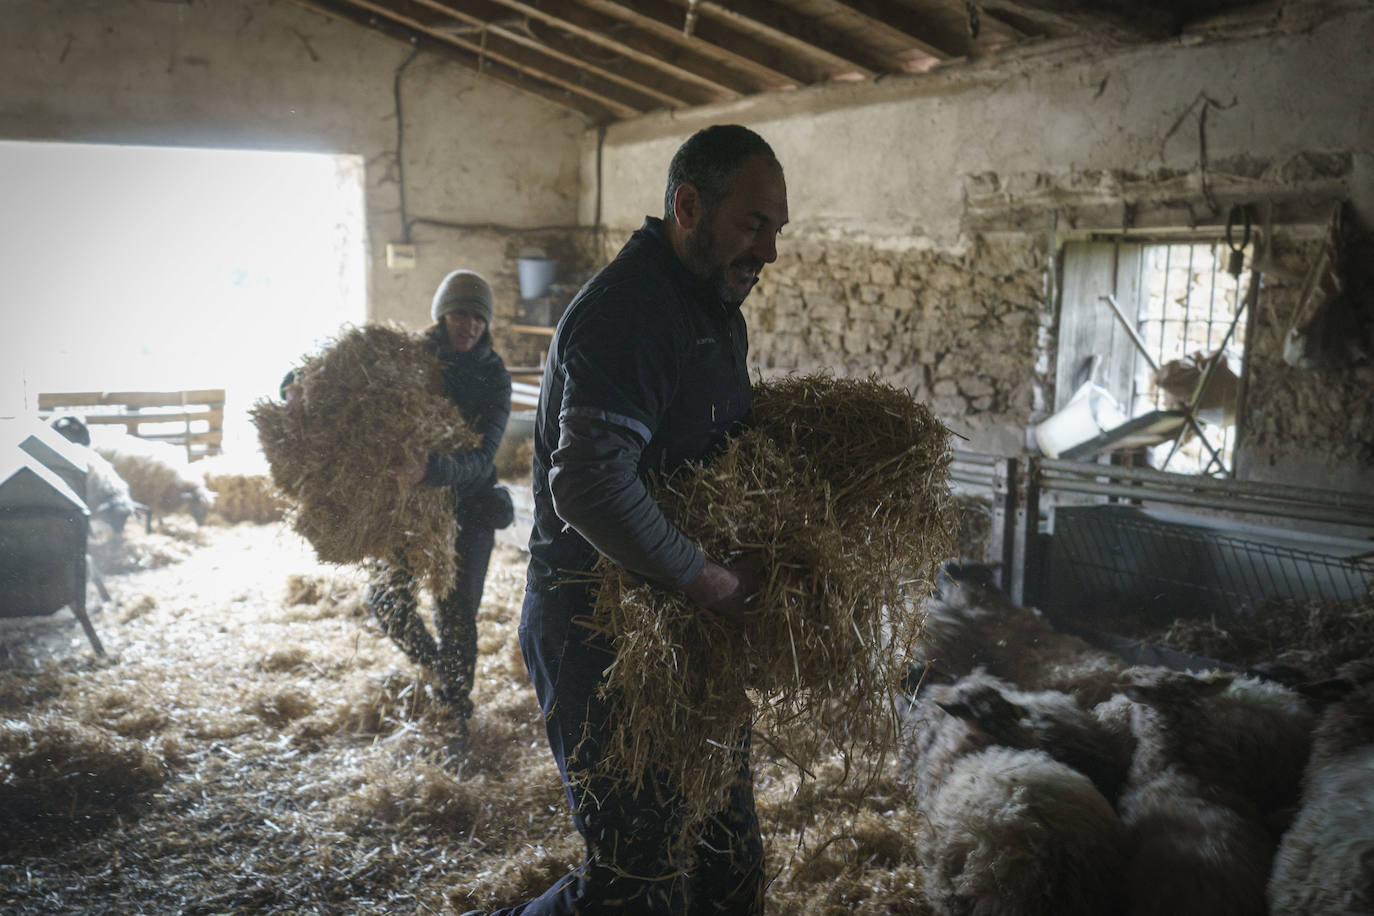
[252, 743]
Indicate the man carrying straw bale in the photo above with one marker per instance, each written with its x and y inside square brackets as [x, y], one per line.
[645, 374]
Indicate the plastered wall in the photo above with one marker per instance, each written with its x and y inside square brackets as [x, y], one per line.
[921, 210]
[482, 164]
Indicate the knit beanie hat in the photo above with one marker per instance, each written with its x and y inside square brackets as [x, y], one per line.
[462, 290]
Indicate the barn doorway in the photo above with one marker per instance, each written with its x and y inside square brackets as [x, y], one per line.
[149, 268]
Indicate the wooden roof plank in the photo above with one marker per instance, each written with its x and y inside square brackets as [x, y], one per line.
[488, 51]
[491, 43]
[611, 33]
[781, 69]
[651, 81]
[913, 27]
[782, 26]
[349, 11]
[1075, 17]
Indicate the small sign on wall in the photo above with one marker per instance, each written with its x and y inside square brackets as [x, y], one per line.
[400, 257]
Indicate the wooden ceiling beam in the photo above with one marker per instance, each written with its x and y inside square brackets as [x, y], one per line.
[781, 26]
[1070, 17]
[924, 35]
[463, 16]
[776, 67]
[490, 47]
[349, 12]
[614, 35]
[630, 72]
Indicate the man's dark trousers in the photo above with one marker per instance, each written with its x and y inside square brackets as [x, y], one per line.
[629, 834]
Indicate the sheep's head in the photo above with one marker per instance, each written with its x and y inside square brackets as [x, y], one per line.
[1166, 689]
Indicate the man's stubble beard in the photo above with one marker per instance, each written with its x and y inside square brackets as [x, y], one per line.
[701, 244]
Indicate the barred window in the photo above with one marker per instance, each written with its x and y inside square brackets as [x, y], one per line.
[1144, 319]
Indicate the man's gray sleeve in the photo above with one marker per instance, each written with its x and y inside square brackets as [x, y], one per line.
[596, 489]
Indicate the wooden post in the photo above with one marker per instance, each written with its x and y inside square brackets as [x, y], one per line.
[1002, 537]
[1026, 584]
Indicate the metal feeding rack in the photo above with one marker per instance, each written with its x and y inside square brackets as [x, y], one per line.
[1075, 538]
[1156, 566]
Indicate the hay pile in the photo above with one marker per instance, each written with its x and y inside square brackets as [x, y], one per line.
[1316, 637]
[297, 752]
[840, 487]
[60, 777]
[177, 538]
[244, 491]
[369, 401]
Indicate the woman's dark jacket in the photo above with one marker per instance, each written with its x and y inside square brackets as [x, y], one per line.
[478, 383]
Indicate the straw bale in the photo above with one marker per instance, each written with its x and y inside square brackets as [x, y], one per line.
[246, 498]
[366, 403]
[840, 488]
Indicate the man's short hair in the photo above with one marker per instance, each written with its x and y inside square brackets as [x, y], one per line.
[708, 161]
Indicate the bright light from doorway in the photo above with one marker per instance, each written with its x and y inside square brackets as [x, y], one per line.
[138, 268]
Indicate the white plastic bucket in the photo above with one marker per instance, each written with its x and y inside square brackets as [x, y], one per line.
[536, 276]
[1090, 412]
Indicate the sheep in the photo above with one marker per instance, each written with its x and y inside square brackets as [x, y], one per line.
[1325, 862]
[982, 710]
[970, 623]
[158, 474]
[107, 494]
[1190, 855]
[1195, 796]
[1016, 833]
[1240, 736]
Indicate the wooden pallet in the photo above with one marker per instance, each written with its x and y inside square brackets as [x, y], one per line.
[191, 419]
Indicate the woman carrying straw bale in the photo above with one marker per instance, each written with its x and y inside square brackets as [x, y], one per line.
[475, 381]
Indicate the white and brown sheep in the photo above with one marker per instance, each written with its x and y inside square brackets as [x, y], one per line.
[970, 623]
[1017, 833]
[1211, 773]
[1325, 862]
[980, 710]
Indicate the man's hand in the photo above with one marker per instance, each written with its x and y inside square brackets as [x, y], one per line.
[727, 591]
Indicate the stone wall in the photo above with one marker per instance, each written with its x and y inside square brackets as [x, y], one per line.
[1309, 427]
[956, 328]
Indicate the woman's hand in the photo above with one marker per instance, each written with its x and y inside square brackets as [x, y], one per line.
[413, 471]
